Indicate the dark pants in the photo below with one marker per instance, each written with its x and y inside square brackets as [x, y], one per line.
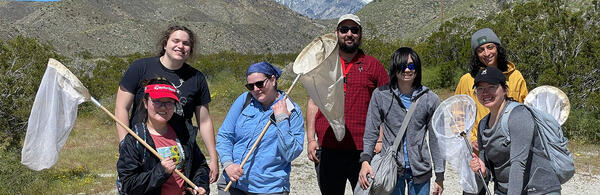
[335, 167]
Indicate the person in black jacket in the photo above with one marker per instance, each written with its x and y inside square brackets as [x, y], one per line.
[140, 172]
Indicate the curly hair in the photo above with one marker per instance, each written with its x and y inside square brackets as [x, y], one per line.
[476, 65]
[164, 37]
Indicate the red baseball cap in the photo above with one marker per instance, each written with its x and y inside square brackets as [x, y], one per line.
[157, 91]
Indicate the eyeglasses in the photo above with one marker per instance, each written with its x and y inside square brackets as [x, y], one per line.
[168, 104]
[488, 89]
[410, 66]
[353, 29]
[259, 84]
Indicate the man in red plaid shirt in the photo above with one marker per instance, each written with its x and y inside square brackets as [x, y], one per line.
[338, 161]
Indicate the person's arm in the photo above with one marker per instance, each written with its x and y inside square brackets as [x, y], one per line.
[370, 137]
[437, 156]
[208, 136]
[521, 128]
[200, 171]
[289, 130]
[226, 139]
[122, 105]
[522, 89]
[313, 145]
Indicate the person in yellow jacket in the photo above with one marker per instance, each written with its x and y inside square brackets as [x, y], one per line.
[489, 52]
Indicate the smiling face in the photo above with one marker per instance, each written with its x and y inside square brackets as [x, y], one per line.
[265, 95]
[348, 41]
[490, 96]
[178, 46]
[160, 110]
[488, 54]
[407, 75]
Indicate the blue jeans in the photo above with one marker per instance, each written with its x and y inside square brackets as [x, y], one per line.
[413, 189]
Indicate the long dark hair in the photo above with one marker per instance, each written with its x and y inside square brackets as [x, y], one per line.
[399, 58]
[164, 37]
[476, 65]
[142, 111]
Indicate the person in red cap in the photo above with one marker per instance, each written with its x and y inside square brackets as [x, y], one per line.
[140, 172]
[176, 45]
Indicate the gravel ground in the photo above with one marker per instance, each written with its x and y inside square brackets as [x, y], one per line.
[304, 180]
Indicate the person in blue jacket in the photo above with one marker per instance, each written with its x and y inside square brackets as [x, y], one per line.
[267, 170]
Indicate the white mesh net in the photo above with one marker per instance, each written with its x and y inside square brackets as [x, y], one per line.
[320, 64]
[551, 100]
[52, 116]
[456, 116]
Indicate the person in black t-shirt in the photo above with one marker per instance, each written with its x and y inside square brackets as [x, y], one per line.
[176, 46]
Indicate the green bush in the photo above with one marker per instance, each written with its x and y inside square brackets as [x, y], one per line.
[22, 65]
[550, 43]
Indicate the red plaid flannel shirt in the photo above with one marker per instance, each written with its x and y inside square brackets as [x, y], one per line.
[364, 76]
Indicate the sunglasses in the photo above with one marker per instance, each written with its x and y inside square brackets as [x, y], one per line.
[353, 29]
[488, 89]
[410, 66]
[168, 104]
[259, 84]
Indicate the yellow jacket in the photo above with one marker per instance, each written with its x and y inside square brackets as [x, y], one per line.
[517, 89]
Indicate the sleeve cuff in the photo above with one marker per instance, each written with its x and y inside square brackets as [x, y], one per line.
[365, 157]
[280, 117]
[439, 176]
[226, 164]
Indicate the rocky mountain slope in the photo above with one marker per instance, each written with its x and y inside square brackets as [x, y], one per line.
[115, 27]
[324, 9]
[394, 19]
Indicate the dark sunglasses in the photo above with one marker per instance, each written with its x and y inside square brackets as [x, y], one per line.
[259, 84]
[410, 66]
[159, 104]
[353, 29]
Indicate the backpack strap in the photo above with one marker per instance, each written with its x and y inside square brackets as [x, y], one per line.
[248, 100]
[510, 105]
[141, 132]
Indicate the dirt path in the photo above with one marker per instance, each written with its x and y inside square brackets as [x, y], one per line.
[304, 180]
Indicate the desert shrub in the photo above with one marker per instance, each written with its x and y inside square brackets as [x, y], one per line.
[22, 65]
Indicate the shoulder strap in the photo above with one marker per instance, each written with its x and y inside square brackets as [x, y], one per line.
[248, 100]
[510, 105]
[407, 117]
[142, 134]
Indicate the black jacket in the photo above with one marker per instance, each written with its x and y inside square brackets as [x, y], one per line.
[141, 172]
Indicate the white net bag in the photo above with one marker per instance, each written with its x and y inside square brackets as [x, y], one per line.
[52, 116]
[551, 100]
[452, 122]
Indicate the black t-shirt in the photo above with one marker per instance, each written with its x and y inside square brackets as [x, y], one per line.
[190, 83]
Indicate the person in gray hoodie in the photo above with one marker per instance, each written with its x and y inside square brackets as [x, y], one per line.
[387, 108]
[518, 166]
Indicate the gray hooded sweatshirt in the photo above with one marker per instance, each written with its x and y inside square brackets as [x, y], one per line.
[387, 110]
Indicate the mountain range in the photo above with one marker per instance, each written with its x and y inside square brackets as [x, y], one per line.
[324, 9]
[115, 27]
[407, 19]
